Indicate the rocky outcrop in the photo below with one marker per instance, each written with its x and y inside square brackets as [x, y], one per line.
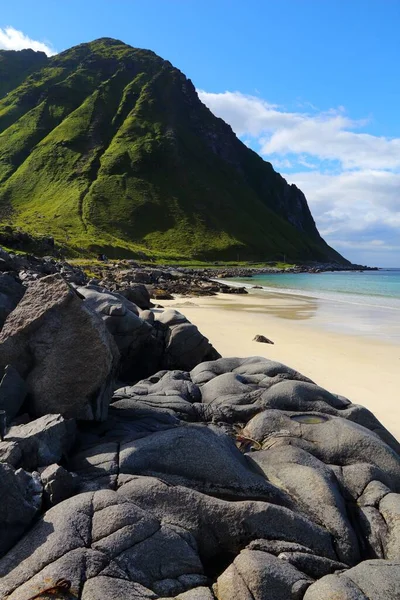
[148, 342]
[228, 478]
[241, 478]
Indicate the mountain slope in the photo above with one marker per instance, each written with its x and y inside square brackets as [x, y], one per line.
[109, 148]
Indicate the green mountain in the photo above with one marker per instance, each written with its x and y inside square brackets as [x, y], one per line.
[108, 148]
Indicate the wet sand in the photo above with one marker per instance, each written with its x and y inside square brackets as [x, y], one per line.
[307, 336]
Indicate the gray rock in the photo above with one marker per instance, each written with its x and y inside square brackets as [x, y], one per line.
[335, 587]
[43, 441]
[373, 531]
[320, 438]
[62, 350]
[220, 526]
[200, 593]
[58, 484]
[13, 392]
[389, 508]
[20, 502]
[370, 580]
[314, 566]
[112, 588]
[139, 343]
[177, 455]
[101, 534]
[261, 576]
[316, 490]
[185, 346]
[137, 294]
[253, 365]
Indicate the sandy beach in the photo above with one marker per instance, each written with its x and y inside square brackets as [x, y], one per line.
[363, 369]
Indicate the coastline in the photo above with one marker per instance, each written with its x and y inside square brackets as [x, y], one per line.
[356, 366]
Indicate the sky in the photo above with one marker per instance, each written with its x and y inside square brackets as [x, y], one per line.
[311, 85]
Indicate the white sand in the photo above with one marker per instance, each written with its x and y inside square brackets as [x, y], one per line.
[365, 371]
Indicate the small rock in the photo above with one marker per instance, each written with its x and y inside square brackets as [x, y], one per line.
[58, 484]
[262, 339]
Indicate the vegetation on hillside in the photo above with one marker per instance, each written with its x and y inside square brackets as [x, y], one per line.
[108, 149]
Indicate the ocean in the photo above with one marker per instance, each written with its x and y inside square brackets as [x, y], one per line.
[362, 303]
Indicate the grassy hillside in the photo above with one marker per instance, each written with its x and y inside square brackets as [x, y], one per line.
[108, 148]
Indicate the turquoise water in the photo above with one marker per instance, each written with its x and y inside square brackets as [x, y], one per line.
[359, 303]
[377, 288]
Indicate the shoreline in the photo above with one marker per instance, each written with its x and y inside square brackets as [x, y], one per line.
[354, 366]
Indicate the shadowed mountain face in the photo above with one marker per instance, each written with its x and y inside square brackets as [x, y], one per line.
[108, 147]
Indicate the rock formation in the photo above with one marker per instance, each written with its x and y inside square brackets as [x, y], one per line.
[206, 478]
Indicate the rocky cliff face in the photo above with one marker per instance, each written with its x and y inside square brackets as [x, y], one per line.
[108, 147]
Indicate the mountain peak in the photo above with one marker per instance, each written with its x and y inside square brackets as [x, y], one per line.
[108, 147]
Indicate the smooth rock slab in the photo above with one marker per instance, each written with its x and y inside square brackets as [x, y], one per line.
[222, 526]
[198, 457]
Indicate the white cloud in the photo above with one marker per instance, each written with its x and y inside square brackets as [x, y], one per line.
[350, 177]
[327, 135]
[13, 39]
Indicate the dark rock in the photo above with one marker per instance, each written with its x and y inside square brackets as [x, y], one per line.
[262, 339]
[58, 484]
[160, 294]
[11, 292]
[140, 345]
[13, 392]
[20, 502]
[138, 294]
[185, 346]
[40, 442]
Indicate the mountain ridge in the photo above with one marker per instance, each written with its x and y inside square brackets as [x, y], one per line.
[108, 148]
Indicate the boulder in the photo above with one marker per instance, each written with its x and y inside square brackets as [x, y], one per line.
[140, 345]
[319, 433]
[370, 580]
[261, 576]
[62, 350]
[222, 528]
[137, 294]
[58, 484]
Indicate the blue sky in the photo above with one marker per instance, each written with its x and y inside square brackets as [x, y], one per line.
[312, 85]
